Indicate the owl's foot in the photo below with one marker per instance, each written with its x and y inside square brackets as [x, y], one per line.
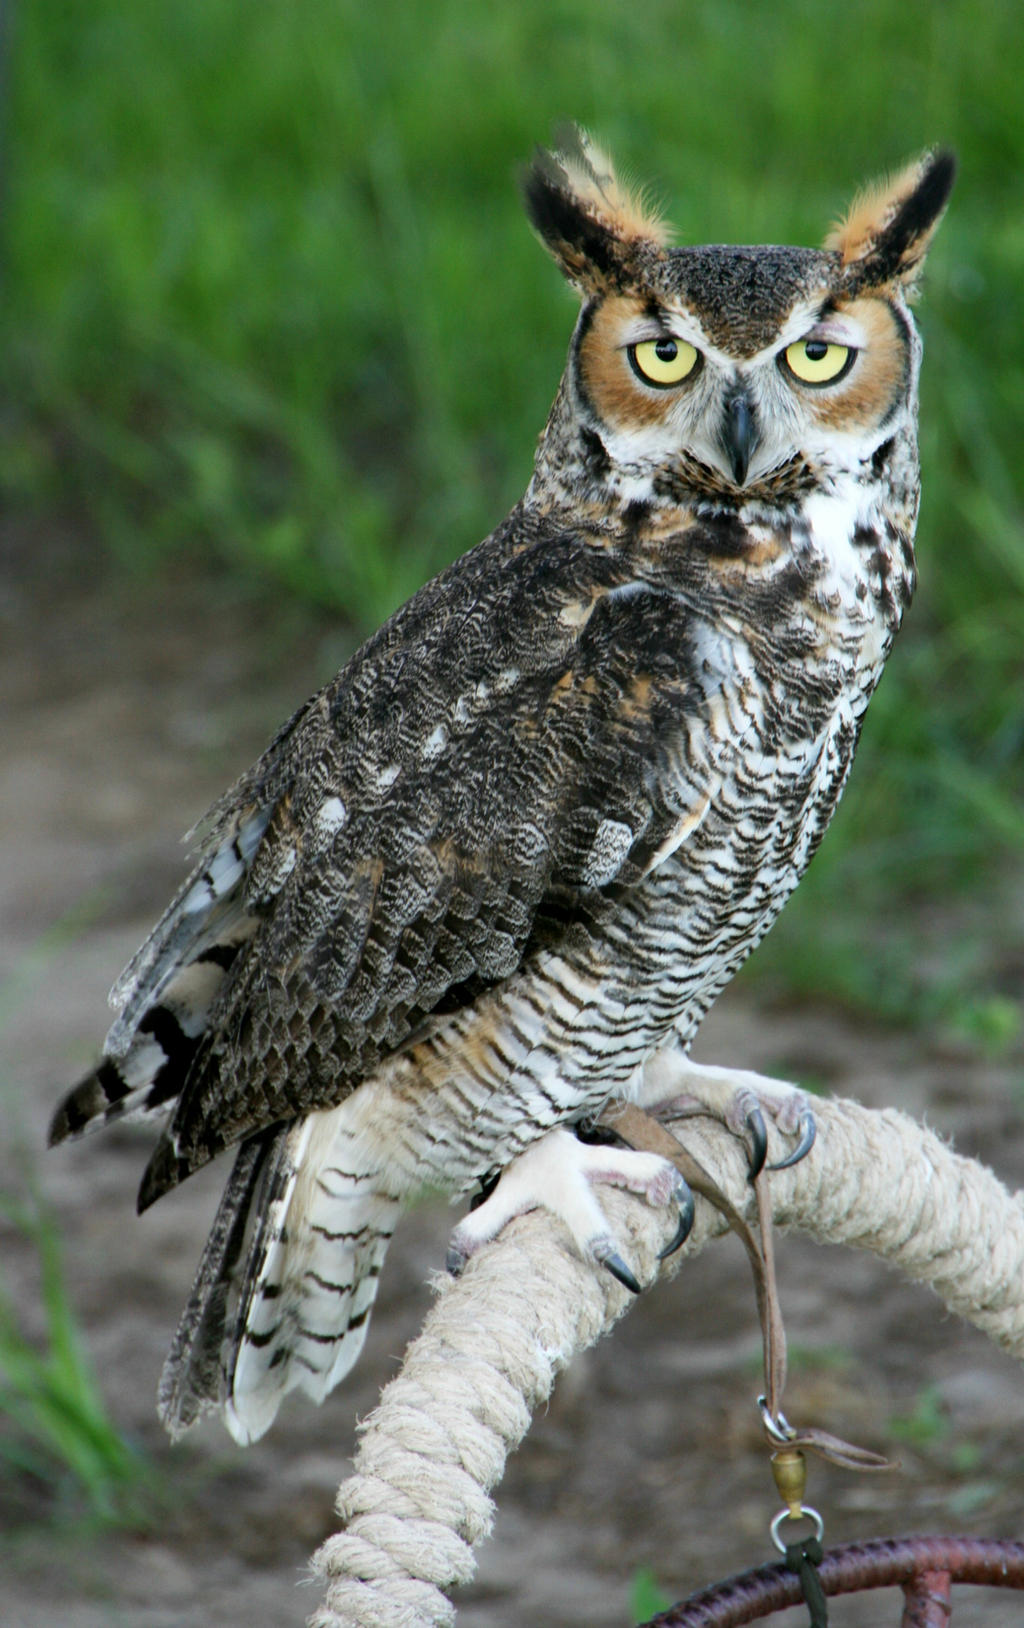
[675, 1087]
[558, 1174]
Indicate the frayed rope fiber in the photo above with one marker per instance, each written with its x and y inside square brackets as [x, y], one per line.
[497, 1337]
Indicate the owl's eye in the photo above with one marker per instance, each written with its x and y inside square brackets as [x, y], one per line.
[815, 361]
[663, 362]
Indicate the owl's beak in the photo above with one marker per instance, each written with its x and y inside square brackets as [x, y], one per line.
[739, 434]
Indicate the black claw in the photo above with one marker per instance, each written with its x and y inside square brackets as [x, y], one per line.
[595, 1135]
[758, 1143]
[808, 1133]
[487, 1186]
[687, 1209]
[454, 1261]
[618, 1269]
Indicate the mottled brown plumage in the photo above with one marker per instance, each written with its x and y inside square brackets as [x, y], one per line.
[496, 872]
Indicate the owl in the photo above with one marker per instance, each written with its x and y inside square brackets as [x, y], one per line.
[491, 878]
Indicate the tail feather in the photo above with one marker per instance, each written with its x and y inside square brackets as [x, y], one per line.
[192, 1380]
[319, 1224]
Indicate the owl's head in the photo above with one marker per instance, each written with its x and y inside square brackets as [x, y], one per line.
[731, 375]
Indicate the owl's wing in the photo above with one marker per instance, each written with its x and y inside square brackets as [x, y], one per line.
[525, 735]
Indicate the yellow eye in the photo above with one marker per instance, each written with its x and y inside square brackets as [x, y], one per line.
[815, 361]
[663, 362]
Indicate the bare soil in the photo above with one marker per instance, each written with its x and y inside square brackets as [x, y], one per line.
[126, 711]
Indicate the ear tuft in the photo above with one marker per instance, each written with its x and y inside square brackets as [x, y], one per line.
[591, 222]
[886, 234]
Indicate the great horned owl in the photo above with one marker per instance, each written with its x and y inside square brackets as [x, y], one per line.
[494, 875]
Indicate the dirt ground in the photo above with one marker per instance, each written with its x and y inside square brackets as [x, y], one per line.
[125, 713]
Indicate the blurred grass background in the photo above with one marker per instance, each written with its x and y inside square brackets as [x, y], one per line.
[270, 306]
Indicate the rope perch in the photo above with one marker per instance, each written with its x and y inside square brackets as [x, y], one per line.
[496, 1338]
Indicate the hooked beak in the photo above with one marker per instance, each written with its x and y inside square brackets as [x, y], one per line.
[739, 435]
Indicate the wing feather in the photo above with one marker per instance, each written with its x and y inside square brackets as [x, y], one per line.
[500, 746]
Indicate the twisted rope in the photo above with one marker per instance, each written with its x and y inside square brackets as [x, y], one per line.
[496, 1338]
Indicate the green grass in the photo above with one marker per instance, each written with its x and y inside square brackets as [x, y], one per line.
[56, 1435]
[646, 1596]
[926, 1424]
[270, 302]
[54, 1426]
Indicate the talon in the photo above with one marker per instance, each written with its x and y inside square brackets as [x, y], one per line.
[454, 1261]
[486, 1188]
[758, 1143]
[808, 1134]
[593, 1134]
[618, 1269]
[687, 1209]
